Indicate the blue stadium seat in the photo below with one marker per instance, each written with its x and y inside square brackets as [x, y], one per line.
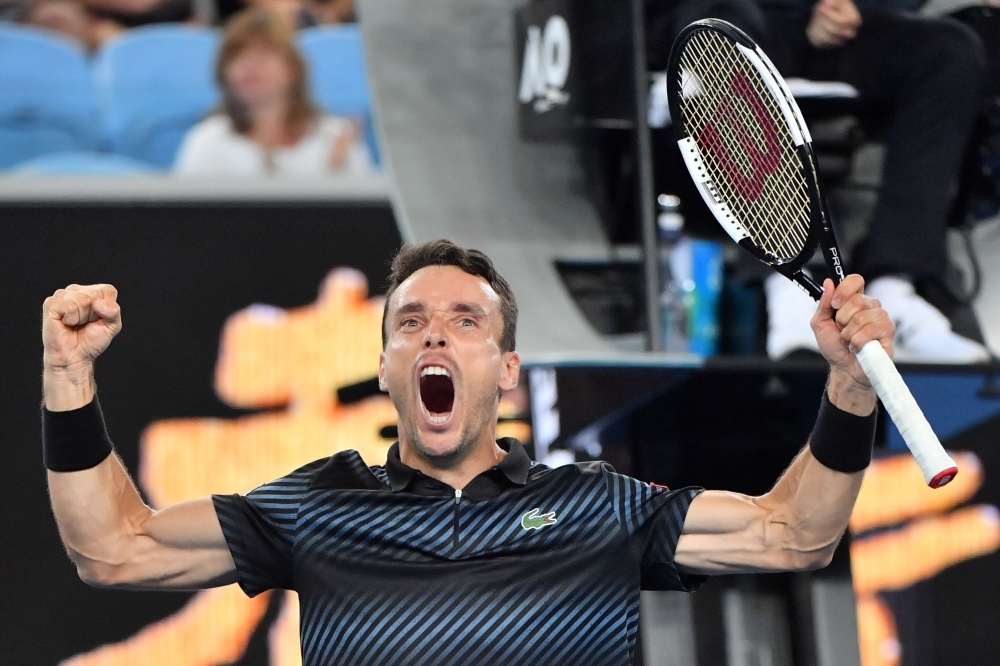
[46, 99]
[84, 163]
[153, 84]
[337, 76]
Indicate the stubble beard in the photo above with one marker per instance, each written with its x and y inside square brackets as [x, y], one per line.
[468, 436]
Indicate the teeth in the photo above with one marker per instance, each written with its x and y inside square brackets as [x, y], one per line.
[434, 370]
[437, 420]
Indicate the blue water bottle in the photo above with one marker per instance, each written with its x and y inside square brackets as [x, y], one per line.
[673, 302]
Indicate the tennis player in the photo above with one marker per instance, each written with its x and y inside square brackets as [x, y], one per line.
[459, 549]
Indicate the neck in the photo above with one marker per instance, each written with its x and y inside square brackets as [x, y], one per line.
[481, 457]
[268, 123]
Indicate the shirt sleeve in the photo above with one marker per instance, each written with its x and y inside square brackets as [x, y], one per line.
[653, 517]
[259, 529]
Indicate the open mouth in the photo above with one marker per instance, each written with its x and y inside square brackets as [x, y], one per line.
[437, 393]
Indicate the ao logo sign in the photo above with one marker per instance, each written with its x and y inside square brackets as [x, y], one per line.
[546, 65]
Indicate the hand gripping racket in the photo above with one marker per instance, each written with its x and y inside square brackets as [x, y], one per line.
[750, 154]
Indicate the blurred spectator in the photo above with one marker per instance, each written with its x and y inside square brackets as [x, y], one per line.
[293, 11]
[12, 11]
[131, 13]
[267, 124]
[71, 18]
[92, 22]
[331, 11]
[305, 13]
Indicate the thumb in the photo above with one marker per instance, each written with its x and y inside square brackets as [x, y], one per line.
[825, 309]
[110, 312]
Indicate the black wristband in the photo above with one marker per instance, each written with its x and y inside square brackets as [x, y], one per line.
[840, 440]
[74, 440]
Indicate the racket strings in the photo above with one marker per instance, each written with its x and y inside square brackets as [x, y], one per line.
[745, 143]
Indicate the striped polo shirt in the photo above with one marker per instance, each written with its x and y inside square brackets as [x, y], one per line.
[525, 565]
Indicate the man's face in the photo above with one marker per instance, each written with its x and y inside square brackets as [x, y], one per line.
[442, 363]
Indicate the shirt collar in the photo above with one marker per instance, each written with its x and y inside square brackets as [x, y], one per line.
[513, 469]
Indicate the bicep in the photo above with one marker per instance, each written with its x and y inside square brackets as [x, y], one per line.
[179, 547]
[728, 532]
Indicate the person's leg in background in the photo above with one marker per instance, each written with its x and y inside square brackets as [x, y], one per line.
[666, 18]
[929, 72]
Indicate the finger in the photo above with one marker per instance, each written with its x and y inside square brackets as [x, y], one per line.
[846, 32]
[861, 318]
[74, 307]
[866, 326]
[108, 291]
[105, 303]
[826, 34]
[835, 25]
[880, 330]
[95, 291]
[852, 306]
[110, 312]
[852, 284]
[67, 310]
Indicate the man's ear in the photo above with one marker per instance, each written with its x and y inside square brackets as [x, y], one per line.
[511, 371]
[382, 386]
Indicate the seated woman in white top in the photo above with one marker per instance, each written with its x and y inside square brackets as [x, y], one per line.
[267, 124]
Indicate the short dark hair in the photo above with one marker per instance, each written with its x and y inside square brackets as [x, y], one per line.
[412, 257]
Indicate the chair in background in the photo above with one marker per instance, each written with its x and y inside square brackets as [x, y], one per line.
[47, 103]
[83, 164]
[337, 75]
[153, 84]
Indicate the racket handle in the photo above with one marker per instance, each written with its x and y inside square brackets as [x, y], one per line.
[934, 462]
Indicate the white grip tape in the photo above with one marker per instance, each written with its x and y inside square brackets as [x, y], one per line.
[903, 409]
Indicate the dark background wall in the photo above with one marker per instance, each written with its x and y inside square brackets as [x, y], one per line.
[180, 270]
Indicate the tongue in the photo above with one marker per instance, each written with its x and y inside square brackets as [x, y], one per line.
[438, 393]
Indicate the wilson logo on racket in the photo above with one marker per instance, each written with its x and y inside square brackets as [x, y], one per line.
[732, 116]
[533, 521]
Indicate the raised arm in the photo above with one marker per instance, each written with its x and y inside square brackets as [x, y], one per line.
[112, 537]
[797, 525]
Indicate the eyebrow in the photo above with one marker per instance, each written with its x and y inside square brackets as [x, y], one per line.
[469, 308]
[410, 308]
[465, 308]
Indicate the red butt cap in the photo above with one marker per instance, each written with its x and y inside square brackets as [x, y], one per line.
[943, 477]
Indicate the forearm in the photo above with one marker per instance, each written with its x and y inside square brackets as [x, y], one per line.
[115, 540]
[808, 510]
[814, 498]
[96, 509]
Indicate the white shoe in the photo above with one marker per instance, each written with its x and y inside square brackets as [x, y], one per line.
[789, 310]
[923, 334]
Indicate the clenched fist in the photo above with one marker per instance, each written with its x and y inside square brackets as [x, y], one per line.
[78, 323]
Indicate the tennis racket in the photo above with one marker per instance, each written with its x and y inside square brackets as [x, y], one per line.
[750, 154]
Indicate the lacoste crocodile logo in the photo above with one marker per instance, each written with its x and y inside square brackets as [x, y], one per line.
[533, 521]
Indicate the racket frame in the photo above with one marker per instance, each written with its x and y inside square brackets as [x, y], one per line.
[820, 233]
[935, 463]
